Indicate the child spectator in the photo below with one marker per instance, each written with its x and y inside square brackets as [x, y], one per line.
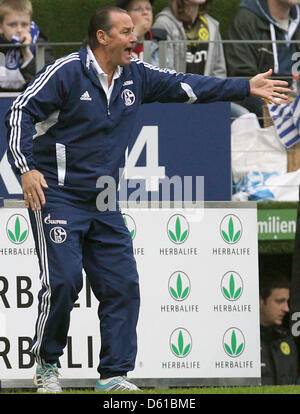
[17, 63]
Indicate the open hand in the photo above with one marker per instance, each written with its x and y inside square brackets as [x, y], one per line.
[271, 90]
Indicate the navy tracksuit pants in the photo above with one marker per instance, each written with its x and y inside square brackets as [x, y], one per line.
[69, 239]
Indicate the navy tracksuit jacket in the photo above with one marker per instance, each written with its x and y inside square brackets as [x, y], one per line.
[78, 138]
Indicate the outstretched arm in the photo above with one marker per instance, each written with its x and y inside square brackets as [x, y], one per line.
[271, 90]
[163, 85]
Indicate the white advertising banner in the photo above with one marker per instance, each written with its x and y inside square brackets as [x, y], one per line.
[199, 316]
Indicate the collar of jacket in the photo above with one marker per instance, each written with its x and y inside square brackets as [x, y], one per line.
[274, 331]
[91, 73]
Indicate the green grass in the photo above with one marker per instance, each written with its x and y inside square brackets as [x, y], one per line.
[287, 389]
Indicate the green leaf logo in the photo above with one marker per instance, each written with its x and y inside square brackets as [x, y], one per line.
[178, 229]
[234, 342]
[130, 224]
[231, 229]
[180, 342]
[232, 286]
[179, 286]
[17, 229]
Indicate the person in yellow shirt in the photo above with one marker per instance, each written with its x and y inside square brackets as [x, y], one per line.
[189, 19]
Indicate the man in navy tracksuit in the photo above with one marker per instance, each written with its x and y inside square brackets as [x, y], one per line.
[70, 127]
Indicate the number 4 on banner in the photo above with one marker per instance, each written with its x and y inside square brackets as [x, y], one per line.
[152, 172]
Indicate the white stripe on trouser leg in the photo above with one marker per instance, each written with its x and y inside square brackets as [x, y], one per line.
[34, 348]
[45, 300]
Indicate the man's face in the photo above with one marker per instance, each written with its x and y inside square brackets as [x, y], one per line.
[121, 39]
[15, 23]
[274, 307]
[140, 12]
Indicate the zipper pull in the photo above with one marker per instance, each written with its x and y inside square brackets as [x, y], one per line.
[108, 111]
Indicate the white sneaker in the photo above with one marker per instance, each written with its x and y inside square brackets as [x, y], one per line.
[46, 379]
[116, 384]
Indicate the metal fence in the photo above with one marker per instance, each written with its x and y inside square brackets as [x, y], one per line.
[163, 47]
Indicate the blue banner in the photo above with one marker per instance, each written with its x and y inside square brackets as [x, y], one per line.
[170, 143]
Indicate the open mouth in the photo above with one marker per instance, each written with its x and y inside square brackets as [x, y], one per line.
[129, 50]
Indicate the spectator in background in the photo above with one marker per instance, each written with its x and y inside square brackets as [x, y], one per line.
[141, 15]
[263, 20]
[189, 20]
[279, 355]
[17, 63]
